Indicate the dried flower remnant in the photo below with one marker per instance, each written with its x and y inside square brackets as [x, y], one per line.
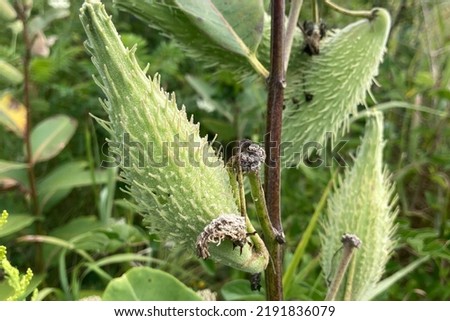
[225, 227]
[250, 157]
[351, 241]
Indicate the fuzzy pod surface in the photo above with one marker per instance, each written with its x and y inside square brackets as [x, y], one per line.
[324, 90]
[178, 182]
[363, 204]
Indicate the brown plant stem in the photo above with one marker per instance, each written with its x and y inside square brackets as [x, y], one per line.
[276, 83]
[21, 10]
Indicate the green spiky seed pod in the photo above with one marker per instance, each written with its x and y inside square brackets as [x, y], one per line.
[325, 89]
[363, 204]
[174, 175]
[10, 74]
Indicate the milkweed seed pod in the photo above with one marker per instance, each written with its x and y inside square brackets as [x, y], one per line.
[363, 204]
[174, 175]
[324, 90]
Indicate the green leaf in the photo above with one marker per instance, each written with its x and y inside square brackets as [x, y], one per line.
[63, 179]
[13, 177]
[12, 174]
[239, 290]
[228, 23]
[16, 223]
[205, 29]
[73, 232]
[6, 166]
[146, 284]
[76, 227]
[106, 201]
[50, 136]
[388, 282]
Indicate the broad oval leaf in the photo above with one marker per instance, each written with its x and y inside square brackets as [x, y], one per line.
[235, 25]
[147, 284]
[6, 166]
[12, 174]
[58, 184]
[50, 136]
[215, 33]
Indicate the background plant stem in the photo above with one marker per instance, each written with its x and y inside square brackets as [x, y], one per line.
[34, 205]
[276, 83]
[315, 12]
[294, 12]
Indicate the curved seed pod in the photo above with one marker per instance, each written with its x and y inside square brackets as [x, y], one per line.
[327, 88]
[174, 175]
[363, 204]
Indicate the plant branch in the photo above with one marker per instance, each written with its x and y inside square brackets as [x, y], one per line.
[241, 190]
[21, 10]
[237, 183]
[234, 185]
[296, 6]
[276, 83]
[260, 204]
